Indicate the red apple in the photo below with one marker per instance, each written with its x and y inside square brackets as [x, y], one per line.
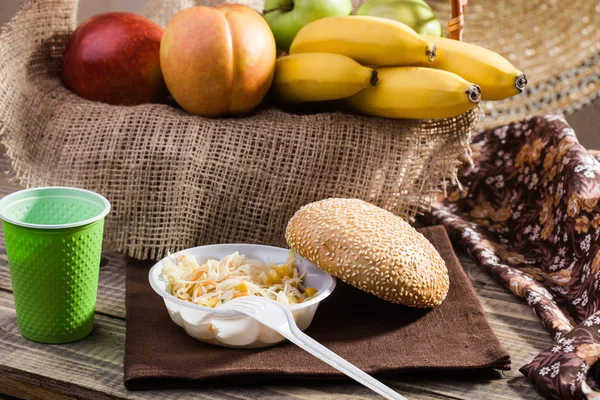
[115, 58]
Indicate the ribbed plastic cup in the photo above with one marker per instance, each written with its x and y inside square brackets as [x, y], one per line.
[53, 239]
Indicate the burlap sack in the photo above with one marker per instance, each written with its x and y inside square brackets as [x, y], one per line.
[177, 180]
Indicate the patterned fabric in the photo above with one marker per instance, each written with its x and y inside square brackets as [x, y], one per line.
[568, 369]
[528, 212]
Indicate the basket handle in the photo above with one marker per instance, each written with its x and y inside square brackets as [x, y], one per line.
[457, 22]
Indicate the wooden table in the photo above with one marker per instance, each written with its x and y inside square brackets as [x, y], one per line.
[93, 368]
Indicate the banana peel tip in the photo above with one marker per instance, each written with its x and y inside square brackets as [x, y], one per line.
[474, 93]
[521, 82]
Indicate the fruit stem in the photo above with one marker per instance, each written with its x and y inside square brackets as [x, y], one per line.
[284, 9]
[521, 82]
[431, 51]
[374, 78]
[474, 94]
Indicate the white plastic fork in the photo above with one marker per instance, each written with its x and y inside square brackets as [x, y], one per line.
[279, 318]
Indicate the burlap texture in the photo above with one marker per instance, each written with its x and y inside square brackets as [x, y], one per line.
[176, 180]
[555, 43]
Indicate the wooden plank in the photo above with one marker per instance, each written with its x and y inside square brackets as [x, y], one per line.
[90, 368]
[95, 366]
[30, 391]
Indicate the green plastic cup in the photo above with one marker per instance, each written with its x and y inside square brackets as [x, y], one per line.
[53, 239]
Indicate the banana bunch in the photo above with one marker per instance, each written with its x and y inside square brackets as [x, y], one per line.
[368, 40]
[495, 75]
[416, 92]
[319, 76]
[383, 68]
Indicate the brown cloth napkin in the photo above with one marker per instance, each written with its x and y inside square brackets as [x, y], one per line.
[377, 336]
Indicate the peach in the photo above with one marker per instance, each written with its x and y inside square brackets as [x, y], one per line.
[218, 60]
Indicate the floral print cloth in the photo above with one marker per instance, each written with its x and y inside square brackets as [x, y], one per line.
[528, 213]
[568, 369]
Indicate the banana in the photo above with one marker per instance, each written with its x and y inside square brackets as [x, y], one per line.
[368, 40]
[416, 92]
[495, 75]
[319, 76]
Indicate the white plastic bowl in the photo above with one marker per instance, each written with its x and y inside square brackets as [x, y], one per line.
[232, 329]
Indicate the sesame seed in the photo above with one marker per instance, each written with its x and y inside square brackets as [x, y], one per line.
[400, 264]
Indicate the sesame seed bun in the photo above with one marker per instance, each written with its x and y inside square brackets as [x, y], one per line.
[371, 249]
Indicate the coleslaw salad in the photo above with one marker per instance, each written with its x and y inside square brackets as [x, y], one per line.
[215, 282]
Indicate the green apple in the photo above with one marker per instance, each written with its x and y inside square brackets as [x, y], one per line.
[287, 17]
[414, 13]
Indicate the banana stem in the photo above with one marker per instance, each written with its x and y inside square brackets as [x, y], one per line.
[521, 82]
[374, 78]
[474, 94]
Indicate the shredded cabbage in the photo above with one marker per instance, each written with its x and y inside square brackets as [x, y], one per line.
[217, 281]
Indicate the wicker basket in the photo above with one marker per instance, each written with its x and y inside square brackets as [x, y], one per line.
[457, 22]
[177, 180]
